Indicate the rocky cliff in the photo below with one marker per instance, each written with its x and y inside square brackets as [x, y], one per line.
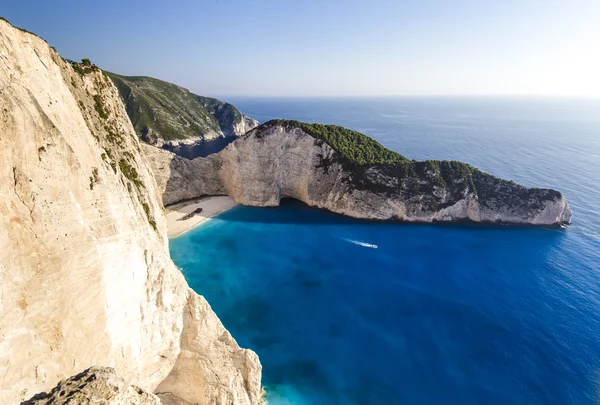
[96, 385]
[164, 113]
[348, 173]
[85, 273]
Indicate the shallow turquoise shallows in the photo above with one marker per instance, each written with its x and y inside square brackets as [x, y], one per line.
[343, 311]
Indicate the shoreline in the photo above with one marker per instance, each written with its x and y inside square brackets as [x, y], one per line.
[211, 206]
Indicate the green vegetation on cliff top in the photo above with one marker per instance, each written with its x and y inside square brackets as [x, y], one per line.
[159, 109]
[352, 145]
[360, 153]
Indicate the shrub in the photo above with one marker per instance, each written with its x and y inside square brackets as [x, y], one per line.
[94, 178]
[81, 70]
[151, 220]
[353, 146]
[131, 173]
[99, 106]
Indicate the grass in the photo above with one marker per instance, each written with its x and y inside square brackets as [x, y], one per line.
[167, 111]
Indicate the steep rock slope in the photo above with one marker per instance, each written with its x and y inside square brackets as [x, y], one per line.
[163, 112]
[346, 172]
[96, 385]
[85, 273]
[181, 179]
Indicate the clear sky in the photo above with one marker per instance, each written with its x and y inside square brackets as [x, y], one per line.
[332, 47]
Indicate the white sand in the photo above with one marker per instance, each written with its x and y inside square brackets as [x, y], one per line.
[211, 206]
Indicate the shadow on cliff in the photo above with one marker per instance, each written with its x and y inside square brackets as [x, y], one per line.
[292, 211]
[192, 173]
[201, 149]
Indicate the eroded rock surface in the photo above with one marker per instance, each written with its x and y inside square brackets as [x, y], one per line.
[280, 159]
[96, 385]
[85, 273]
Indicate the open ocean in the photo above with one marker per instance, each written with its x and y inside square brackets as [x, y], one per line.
[343, 311]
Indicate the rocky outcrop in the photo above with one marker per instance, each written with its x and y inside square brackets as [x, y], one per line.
[96, 385]
[164, 114]
[85, 273]
[181, 179]
[244, 125]
[283, 159]
[204, 350]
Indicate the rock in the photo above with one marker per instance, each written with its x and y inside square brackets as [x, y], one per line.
[181, 179]
[85, 273]
[203, 350]
[163, 113]
[96, 385]
[283, 159]
[244, 125]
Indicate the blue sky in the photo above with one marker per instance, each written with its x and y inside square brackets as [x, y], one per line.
[332, 47]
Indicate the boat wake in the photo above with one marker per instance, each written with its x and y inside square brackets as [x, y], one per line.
[359, 243]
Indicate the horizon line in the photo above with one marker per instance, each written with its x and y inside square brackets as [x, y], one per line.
[547, 96]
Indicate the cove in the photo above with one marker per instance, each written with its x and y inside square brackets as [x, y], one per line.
[433, 314]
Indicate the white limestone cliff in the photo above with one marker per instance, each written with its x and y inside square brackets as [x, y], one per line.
[276, 161]
[246, 124]
[85, 273]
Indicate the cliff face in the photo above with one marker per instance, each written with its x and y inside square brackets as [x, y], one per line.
[181, 179]
[164, 113]
[96, 385]
[85, 273]
[286, 159]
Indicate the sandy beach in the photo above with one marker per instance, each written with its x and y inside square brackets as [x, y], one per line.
[211, 206]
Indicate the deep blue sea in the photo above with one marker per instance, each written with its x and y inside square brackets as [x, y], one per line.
[433, 314]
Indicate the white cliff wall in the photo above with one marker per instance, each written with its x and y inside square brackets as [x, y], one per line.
[246, 124]
[272, 163]
[85, 273]
[182, 179]
[261, 168]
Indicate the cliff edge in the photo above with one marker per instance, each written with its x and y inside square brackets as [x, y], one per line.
[85, 273]
[346, 172]
[164, 113]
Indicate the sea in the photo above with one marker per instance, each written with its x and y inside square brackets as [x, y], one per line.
[343, 311]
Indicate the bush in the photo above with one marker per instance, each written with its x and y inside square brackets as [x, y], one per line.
[99, 106]
[81, 70]
[353, 146]
[131, 173]
[151, 220]
[86, 62]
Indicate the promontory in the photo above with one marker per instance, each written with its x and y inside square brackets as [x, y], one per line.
[346, 172]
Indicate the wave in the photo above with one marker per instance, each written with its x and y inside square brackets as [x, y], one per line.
[359, 243]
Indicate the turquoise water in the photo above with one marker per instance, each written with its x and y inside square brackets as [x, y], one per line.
[342, 311]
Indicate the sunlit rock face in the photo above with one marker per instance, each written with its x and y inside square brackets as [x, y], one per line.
[85, 273]
[281, 159]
